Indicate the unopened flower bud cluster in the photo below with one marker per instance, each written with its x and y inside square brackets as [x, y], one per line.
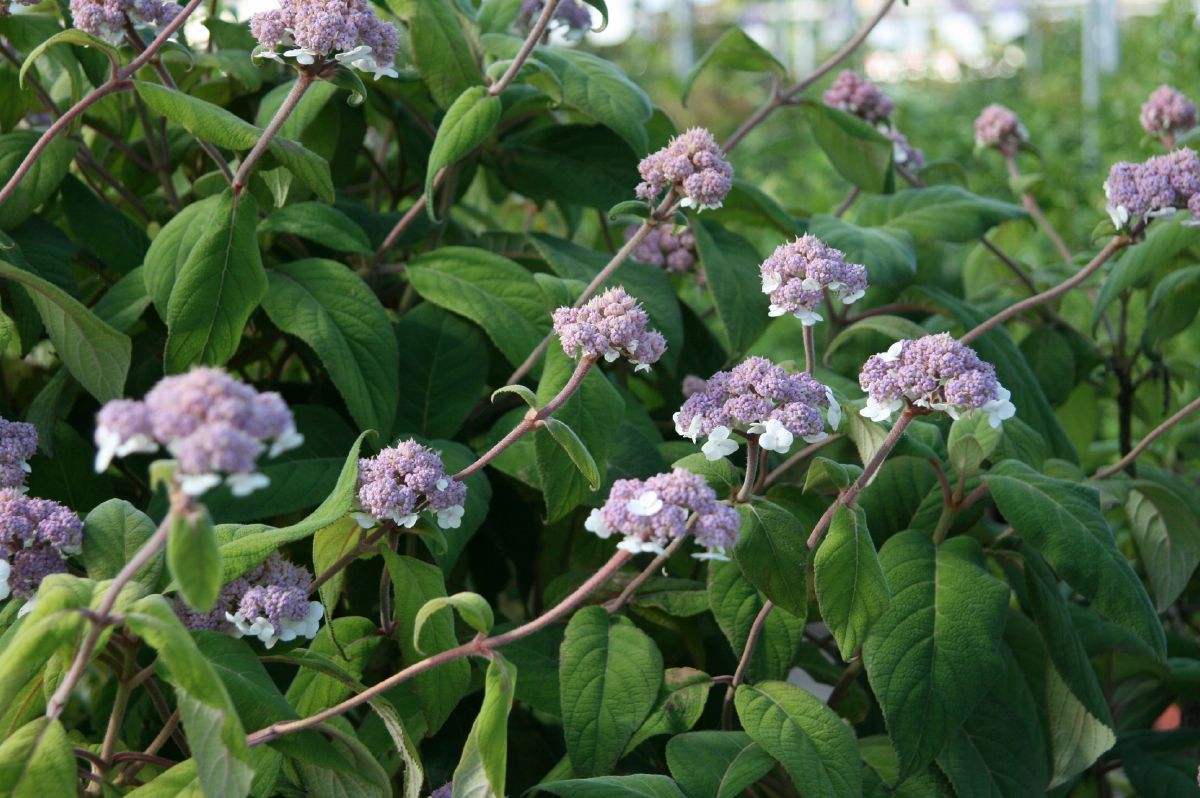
[1168, 113]
[215, 427]
[853, 93]
[570, 17]
[799, 273]
[106, 19]
[1000, 128]
[18, 442]
[650, 513]
[760, 398]
[693, 165]
[401, 481]
[270, 603]
[610, 326]
[664, 248]
[313, 30]
[1159, 187]
[936, 373]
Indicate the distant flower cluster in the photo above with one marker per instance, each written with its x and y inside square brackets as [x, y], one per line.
[760, 398]
[1158, 187]
[18, 442]
[270, 603]
[694, 165]
[936, 373]
[903, 153]
[1000, 128]
[211, 423]
[650, 513]
[403, 480]
[1168, 113]
[853, 93]
[799, 273]
[36, 537]
[663, 248]
[610, 326]
[571, 17]
[314, 30]
[106, 19]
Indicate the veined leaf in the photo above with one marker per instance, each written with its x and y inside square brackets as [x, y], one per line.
[733, 50]
[481, 770]
[467, 124]
[937, 213]
[715, 764]
[772, 554]
[850, 586]
[731, 266]
[323, 224]
[440, 49]
[38, 760]
[42, 179]
[858, 151]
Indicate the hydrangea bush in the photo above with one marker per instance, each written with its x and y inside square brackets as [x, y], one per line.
[476, 430]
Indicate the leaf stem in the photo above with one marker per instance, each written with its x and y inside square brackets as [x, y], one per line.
[1155, 434]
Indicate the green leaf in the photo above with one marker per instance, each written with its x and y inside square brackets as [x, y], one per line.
[1062, 519]
[333, 665]
[565, 437]
[487, 289]
[586, 165]
[40, 181]
[214, 733]
[468, 122]
[825, 473]
[179, 781]
[440, 49]
[748, 204]
[320, 223]
[527, 396]
[897, 328]
[173, 245]
[721, 475]
[96, 355]
[679, 706]
[202, 119]
[38, 761]
[735, 604]
[444, 361]
[716, 764]
[733, 50]
[69, 36]
[731, 267]
[473, 608]
[481, 770]
[330, 545]
[610, 674]
[937, 213]
[1136, 267]
[331, 309]
[858, 151]
[972, 440]
[1077, 737]
[638, 785]
[112, 533]
[888, 253]
[219, 286]
[1173, 306]
[849, 581]
[808, 738]
[194, 559]
[929, 658]
[115, 239]
[773, 555]
[1167, 533]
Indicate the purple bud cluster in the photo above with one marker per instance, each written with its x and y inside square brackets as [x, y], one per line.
[1168, 112]
[36, 537]
[210, 422]
[609, 326]
[650, 513]
[936, 372]
[853, 93]
[662, 248]
[694, 165]
[18, 442]
[1157, 187]
[798, 274]
[269, 602]
[999, 127]
[105, 19]
[401, 481]
[761, 398]
[313, 30]
[570, 16]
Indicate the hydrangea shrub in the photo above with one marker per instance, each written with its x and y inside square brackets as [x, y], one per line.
[477, 430]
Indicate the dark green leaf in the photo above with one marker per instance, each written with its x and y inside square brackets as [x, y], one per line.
[481, 770]
[731, 267]
[1173, 305]
[468, 122]
[772, 554]
[39, 183]
[937, 213]
[735, 604]
[733, 50]
[173, 245]
[444, 361]
[680, 702]
[440, 49]
[858, 151]
[1167, 533]
[320, 223]
[638, 785]
[715, 764]
[849, 581]
[112, 533]
[1164, 241]
[887, 252]
[565, 437]
[586, 165]
[895, 327]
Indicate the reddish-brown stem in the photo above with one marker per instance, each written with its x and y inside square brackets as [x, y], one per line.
[535, 35]
[743, 495]
[347, 558]
[739, 675]
[807, 451]
[1035, 210]
[290, 102]
[616, 604]
[1155, 434]
[418, 207]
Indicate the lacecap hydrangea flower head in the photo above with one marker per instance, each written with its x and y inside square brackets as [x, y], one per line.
[36, 538]
[106, 19]
[937, 373]
[662, 247]
[269, 602]
[214, 426]
[610, 326]
[312, 31]
[1159, 187]
[853, 93]
[650, 513]
[760, 398]
[693, 165]
[1168, 113]
[18, 442]
[403, 480]
[798, 274]
[570, 17]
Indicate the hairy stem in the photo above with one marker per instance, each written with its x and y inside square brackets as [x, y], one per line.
[290, 102]
[1155, 434]
[535, 35]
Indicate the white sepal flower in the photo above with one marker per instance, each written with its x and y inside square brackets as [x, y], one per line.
[719, 444]
[5, 570]
[259, 627]
[770, 281]
[287, 441]
[635, 545]
[693, 428]
[834, 414]
[365, 520]
[775, 437]
[27, 607]
[893, 352]
[110, 445]
[880, 411]
[302, 55]
[451, 517]
[647, 504]
[595, 524]
[306, 626]
[808, 317]
[245, 484]
[198, 484]
[1000, 409]
[718, 554]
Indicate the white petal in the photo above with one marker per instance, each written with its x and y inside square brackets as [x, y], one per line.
[27, 607]
[808, 317]
[197, 484]
[353, 55]
[595, 524]
[647, 504]
[834, 414]
[365, 520]
[245, 484]
[107, 442]
[893, 352]
[451, 517]
[770, 281]
[290, 439]
[5, 570]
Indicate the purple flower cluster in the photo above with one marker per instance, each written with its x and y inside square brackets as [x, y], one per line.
[662, 248]
[651, 513]
[937, 373]
[270, 603]
[999, 127]
[18, 442]
[1168, 112]
[105, 19]
[853, 93]
[798, 274]
[211, 424]
[760, 398]
[312, 30]
[694, 165]
[570, 16]
[1157, 187]
[404, 479]
[609, 326]
[36, 537]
